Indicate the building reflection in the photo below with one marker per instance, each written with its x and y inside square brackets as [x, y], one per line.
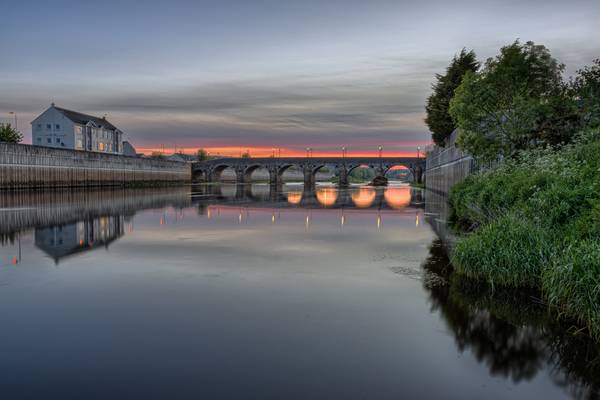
[61, 241]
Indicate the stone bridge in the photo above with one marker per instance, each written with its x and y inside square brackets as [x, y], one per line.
[210, 171]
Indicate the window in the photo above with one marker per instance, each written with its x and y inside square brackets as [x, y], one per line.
[39, 140]
[57, 140]
[48, 127]
[101, 146]
[79, 144]
[57, 127]
[49, 140]
[39, 126]
[78, 129]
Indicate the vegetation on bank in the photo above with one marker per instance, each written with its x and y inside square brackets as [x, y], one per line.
[533, 219]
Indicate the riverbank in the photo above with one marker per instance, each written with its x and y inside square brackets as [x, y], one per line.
[535, 222]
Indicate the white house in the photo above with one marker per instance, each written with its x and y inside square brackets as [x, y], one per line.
[62, 128]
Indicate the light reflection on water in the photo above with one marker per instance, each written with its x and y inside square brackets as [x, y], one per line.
[250, 291]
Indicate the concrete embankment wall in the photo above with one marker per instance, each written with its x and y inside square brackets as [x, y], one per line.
[26, 166]
[445, 167]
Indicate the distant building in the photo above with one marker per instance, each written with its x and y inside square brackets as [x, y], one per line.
[129, 150]
[62, 128]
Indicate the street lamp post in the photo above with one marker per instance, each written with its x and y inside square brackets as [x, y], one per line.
[308, 152]
[418, 152]
[15, 116]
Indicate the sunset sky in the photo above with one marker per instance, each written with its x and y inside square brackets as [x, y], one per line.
[237, 75]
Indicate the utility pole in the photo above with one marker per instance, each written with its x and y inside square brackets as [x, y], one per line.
[15, 116]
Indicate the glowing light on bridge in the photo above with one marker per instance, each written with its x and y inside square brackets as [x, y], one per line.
[397, 197]
[364, 197]
[327, 196]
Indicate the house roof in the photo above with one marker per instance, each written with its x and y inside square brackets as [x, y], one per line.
[80, 118]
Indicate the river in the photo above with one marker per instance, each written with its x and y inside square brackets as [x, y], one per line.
[248, 292]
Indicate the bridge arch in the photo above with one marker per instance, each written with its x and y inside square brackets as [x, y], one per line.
[314, 169]
[284, 168]
[394, 167]
[217, 171]
[250, 169]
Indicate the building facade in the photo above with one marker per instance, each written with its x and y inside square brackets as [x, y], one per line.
[62, 128]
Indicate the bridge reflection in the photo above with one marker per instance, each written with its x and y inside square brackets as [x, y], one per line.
[391, 197]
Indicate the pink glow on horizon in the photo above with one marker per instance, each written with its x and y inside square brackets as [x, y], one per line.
[260, 152]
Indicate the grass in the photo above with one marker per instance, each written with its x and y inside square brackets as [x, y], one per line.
[535, 221]
[510, 251]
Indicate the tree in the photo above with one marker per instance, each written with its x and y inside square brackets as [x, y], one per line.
[202, 155]
[157, 154]
[9, 134]
[246, 154]
[438, 119]
[585, 89]
[517, 101]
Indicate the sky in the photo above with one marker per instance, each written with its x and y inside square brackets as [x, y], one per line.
[231, 76]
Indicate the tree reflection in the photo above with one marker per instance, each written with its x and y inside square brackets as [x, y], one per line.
[509, 331]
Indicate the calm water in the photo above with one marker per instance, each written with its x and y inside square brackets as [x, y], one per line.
[233, 292]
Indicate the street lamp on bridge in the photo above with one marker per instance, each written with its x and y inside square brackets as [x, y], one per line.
[344, 152]
[15, 115]
[418, 152]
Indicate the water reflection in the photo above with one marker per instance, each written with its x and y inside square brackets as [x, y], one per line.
[397, 197]
[283, 266]
[392, 197]
[76, 221]
[510, 331]
[60, 241]
[327, 196]
[294, 197]
[365, 196]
